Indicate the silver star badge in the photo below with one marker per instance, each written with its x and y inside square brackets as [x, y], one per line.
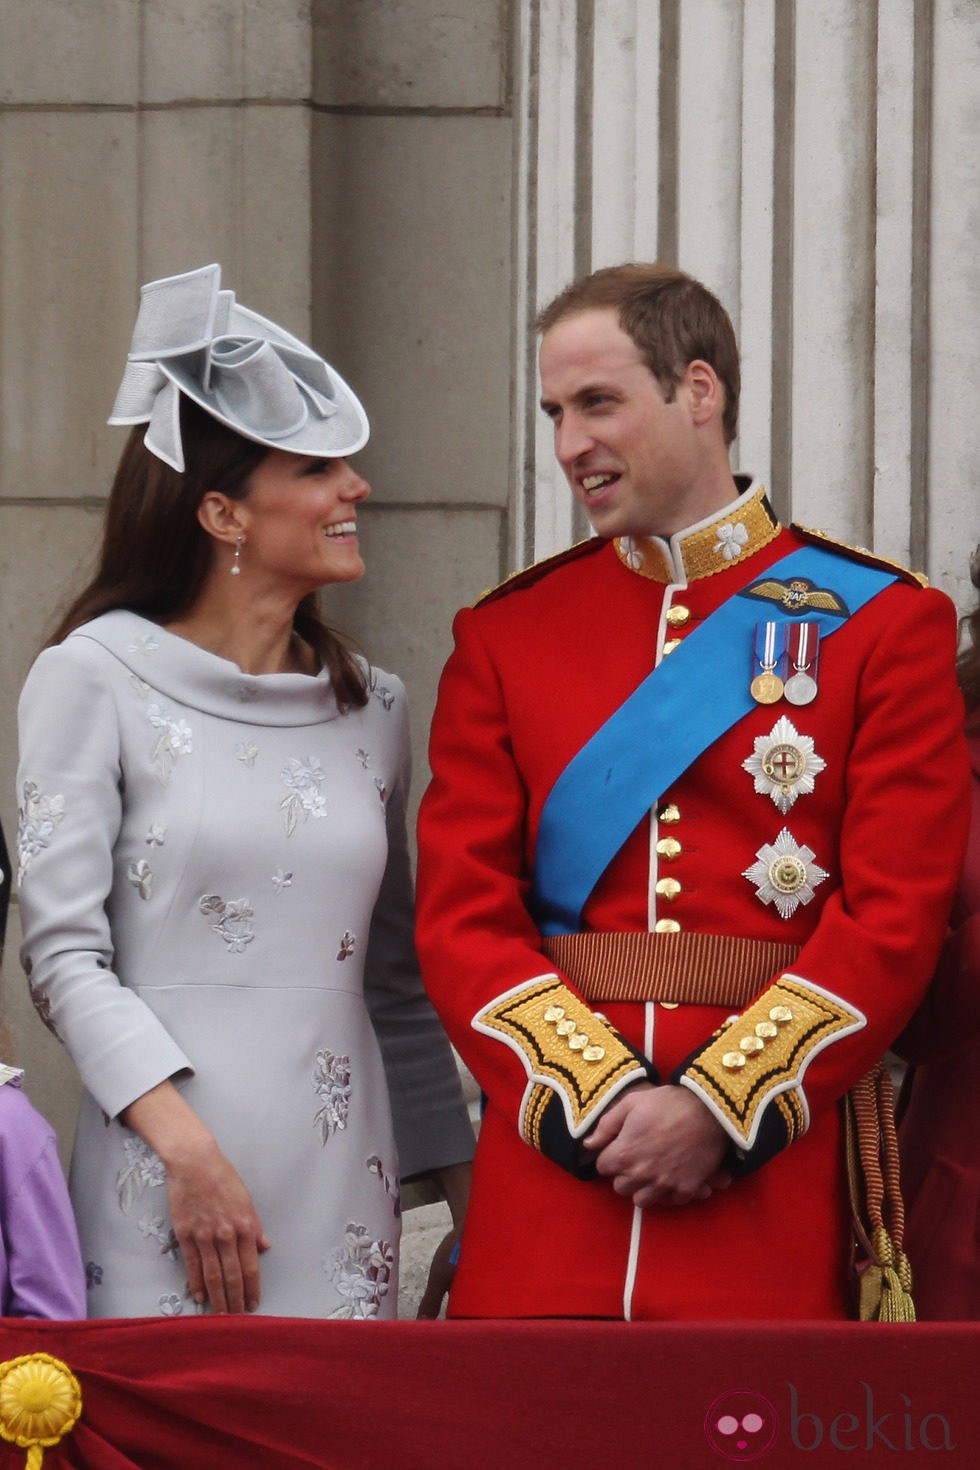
[785, 874]
[784, 764]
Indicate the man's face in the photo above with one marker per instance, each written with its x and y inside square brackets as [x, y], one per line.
[631, 457]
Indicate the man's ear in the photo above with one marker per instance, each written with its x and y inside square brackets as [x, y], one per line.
[705, 392]
[223, 518]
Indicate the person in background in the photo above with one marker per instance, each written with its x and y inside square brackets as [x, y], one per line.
[940, 1099]
[214, 869]
[40, 1262]
[695, 820]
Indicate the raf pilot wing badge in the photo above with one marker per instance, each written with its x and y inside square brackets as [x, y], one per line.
[797, 596]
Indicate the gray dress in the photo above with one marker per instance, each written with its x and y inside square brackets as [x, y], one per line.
[215, 889]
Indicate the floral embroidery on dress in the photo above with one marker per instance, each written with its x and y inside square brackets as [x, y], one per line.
[143, 1170]
[347, 943]
[731, 539]
[174, 738]
[246, 752]
[361, 1270]
[281, 879]
[302, 779]
[42, 1004]
[157, 835]
[331, 1083]
[381, 789]
[145, 644]
[39, 816]
[93, 1274]
[248, 692]
[141, 876]
[154, 1227]
[171, 1305]
[140, 685]
[390, 1182]
[383, 695]
[363, 757]
[232, 920]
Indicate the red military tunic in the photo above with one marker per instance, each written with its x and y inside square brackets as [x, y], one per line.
[537, 669]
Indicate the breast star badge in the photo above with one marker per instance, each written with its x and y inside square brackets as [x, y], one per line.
[785, 874]
[784, 764]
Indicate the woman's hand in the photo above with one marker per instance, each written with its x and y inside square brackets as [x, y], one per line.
[215, 1222]
[454, 1181]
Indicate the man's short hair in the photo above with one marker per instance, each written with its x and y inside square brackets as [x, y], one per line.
[669, 315]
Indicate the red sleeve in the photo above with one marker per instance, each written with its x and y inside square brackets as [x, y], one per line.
[903, 830]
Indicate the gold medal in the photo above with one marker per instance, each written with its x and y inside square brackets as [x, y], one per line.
[766, 688]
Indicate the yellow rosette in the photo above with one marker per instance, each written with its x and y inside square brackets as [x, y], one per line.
[40, 1401]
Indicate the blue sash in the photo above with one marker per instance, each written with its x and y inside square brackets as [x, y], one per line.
[681, 708]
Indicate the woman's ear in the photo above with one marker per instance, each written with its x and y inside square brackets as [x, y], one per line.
[223, 518]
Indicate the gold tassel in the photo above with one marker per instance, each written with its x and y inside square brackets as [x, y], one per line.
[885, 1275]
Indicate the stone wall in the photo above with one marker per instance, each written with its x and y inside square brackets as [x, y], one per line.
[405, 182]
[349, 166]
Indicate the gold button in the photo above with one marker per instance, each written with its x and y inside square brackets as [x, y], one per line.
[750, 1044]
[554, 1013]
[678, 615]
[666, 926]
[669, 1005]
[668, 888]
[767, 1030]
[781, 1015]
[565, 1028]
[578, 1042]
[733, 1060]
[594, 1053]
[671, 644]
[669, 847]
[669, 814]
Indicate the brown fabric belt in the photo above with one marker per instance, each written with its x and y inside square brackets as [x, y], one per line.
[679, 969]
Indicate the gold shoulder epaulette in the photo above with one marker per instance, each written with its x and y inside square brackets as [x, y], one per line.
[529, 575]
[860, 553]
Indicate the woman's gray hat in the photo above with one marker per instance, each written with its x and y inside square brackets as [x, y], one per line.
[191, 337]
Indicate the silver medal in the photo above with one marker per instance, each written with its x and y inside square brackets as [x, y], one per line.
[800, 689]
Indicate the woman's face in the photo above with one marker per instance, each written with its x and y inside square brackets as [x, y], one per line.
[301, 521]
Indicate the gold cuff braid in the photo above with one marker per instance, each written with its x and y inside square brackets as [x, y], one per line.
[765, 1051]
[564, 1046]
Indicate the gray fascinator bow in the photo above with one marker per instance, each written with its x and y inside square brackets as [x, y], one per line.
[191, 337]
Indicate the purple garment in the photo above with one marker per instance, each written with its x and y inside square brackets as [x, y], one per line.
[40, 1263]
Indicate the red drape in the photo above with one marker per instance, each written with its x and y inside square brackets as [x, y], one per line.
[273, 1394]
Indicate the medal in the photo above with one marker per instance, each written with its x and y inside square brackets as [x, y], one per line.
[785, 874]
[801, 686]
[784, 764]
[800, 689]
[766, 688]
[770, 639]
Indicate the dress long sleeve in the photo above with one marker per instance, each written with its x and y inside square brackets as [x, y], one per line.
[70, 788]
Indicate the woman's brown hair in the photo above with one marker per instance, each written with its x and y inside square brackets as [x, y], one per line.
[968, 663]
[155, 554]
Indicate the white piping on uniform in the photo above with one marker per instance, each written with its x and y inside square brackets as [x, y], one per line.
[637, 1227]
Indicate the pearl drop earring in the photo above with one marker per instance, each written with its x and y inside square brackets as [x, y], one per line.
[236, 566]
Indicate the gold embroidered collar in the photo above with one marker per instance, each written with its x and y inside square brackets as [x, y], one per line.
[712, 546]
